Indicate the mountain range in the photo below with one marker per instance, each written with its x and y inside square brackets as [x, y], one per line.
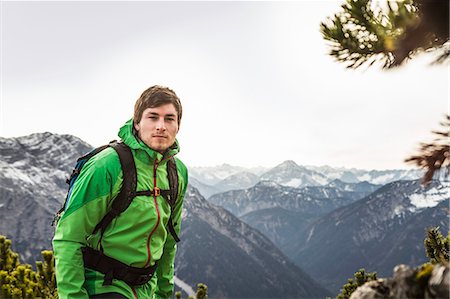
[218, 179]
[282, 232]
[381, 230]
[335, 229]
[232, 258]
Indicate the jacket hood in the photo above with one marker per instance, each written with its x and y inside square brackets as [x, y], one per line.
[126, 133]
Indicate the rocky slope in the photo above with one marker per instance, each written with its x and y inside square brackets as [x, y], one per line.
[33, 170]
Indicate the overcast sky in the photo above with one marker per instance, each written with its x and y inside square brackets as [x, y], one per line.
[254, 78]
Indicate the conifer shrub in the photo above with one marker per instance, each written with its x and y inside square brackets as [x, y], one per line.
[19, 281]
[360, 278]
[436, 246]
[202, 291]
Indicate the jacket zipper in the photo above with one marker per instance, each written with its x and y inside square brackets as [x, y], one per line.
[134, 293]
[155, 201]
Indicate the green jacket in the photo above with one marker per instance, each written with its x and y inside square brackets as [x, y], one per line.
[138, 237]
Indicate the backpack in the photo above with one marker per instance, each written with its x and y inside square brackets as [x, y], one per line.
[128, 189]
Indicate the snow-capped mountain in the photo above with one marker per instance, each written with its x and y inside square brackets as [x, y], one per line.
[377, 232]
[290, 174]
[214, 174]
[233, 259]
[29, 161]
[33, 170]
[377, 177]
[41, 149]
[226, 177]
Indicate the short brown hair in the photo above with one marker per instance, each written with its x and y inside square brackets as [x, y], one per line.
[156, 96]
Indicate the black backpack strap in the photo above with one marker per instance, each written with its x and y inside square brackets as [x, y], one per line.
[113, 268]
[128, 189]
[172, 174]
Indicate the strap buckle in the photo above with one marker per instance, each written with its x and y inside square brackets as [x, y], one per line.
[156, 191]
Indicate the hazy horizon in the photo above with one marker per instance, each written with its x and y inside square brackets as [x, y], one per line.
[255, 167]
[255, 79]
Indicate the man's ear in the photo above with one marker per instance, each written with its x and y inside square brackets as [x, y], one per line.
[136, 126]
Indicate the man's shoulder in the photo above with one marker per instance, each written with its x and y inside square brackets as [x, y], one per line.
[107, 159]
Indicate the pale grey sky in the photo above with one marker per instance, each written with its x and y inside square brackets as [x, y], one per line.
[255, 80]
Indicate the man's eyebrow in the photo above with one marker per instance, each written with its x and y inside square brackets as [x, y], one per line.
[166, 115]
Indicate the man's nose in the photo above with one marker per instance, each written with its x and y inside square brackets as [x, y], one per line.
[160, 125]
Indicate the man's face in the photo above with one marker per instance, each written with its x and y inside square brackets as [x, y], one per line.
[158, 127]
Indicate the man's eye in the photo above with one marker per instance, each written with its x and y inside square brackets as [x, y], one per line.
[153, 117]
[170, 119]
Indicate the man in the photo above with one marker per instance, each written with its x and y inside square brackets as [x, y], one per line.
[139, 238]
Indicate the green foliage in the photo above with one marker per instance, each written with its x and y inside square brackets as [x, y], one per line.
[8, 259]
[364, 34]
[360, 278]
[436, 246]
[20, 281]
[202, 291]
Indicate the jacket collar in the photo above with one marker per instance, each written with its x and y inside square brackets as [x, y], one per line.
[128, 136]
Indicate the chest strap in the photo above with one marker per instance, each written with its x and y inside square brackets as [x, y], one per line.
[113, 269]
[155, 192]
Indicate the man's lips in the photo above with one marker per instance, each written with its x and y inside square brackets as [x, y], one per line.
[159, 136]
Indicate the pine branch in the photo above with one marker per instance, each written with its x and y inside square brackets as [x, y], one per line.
[434, 156]
[362, 33]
